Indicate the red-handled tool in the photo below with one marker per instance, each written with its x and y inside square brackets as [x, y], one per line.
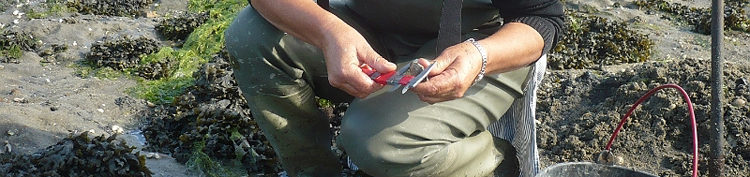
[404, 76]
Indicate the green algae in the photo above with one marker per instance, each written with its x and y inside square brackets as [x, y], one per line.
[204, 163]
[51, 9]
[201, 44]
[12, 45]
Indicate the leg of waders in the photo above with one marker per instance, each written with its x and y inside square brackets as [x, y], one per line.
[281, 99]
[280, 77]
[390, 134]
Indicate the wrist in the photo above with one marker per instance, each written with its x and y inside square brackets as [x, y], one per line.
[334, 33]
[483, 53]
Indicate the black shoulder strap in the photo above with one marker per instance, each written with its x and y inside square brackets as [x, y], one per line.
[324, 4]
[450, 25]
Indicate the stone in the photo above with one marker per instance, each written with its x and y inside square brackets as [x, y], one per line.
[739, 102]
[117, 129]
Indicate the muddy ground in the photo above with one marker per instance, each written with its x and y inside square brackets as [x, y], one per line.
[42, 101]
[579, 110]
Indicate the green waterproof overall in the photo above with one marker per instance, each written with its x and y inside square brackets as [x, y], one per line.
[386, 134]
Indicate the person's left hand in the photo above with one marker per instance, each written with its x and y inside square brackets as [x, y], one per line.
[454, 72]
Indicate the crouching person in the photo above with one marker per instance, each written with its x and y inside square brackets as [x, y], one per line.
[287, 52]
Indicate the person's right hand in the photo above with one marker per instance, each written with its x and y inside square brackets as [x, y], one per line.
[345, 51]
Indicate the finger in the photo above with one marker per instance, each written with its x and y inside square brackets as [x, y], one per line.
[431, 100]
[442, 87]
[362, 85]
[377, 62]
[424, 62]
[443, 61]
[429, 87]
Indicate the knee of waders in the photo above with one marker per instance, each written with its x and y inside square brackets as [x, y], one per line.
[384, 152]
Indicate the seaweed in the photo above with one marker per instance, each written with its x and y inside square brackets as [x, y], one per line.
[591, 41]
[121, 53]
[179, 27]
[123, 8]
[13, 43]
[210, 126]
[131, 56]
[735, 16]
[78, 155]
[198, 48]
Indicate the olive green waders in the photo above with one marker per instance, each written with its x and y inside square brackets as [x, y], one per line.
[386, 134]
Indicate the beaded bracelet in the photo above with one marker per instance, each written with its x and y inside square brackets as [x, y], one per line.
[484, 59]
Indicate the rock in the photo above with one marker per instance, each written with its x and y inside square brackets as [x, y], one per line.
[15, 91]
[100, 110]
[1, 66]
[149, 14]
[47, 52]
[672, 106]
[7, 147]
[739, 102]
[608, 158]
[117, 129]
[10, 133]
[153, 155]
[132, 141]
[19, 100]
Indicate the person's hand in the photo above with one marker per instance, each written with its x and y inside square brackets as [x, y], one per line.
[345, 51]
[454, 72]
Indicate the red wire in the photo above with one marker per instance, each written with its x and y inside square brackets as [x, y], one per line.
[692, 119]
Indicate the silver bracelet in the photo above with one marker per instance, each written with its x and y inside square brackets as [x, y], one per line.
[484, 59]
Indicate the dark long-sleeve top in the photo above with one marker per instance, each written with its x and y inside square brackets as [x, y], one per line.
[423, 16]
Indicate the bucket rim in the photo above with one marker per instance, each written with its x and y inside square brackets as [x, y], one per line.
[559, 165]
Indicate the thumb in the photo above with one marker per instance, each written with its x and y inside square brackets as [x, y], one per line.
[377, 62]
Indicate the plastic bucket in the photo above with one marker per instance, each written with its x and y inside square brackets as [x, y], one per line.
[588, 169]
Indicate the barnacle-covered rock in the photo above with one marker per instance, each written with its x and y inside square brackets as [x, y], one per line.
[13, 43]
[735, 16]
[121, 53]
[590, 41]
[214, 114]
[48, 54]
[78, 155]
[179, 27]
[124, 8]
[157, 70]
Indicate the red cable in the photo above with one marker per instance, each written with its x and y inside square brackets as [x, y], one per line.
[692, 119]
